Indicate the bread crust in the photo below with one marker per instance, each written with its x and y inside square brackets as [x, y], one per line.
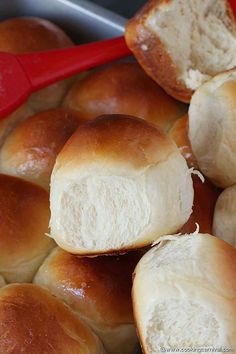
[210, 270]
[105, 252]
[31, 149]
[113, 150]
[212, 128]
[85, 282]
[117, 137]
[152, 54]
[34, 321]
[224, 216]
[8, 124]
[24, 217]
[123, 88]
[155, 59]
[31, 34]
[179, 133]
[205, 197]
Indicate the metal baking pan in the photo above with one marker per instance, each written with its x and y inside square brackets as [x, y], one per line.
[82, 20]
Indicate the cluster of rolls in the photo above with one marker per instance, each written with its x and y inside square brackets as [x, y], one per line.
[98, 180]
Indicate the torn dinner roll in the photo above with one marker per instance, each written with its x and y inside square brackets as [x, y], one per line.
[123, 88]
[98, 289]
[182, 44]
[119, 183]
[184, 295]
[24, 217]
[224, 223]
[34, 321]
[31, 149]
[32, 34]
[212, 128]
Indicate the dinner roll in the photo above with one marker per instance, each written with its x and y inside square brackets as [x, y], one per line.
[31, 34]
[179, 133]
[224, 222]
[32, 321]
[8, 124]
[30, 150]
[184, 295]
[98, 290]
[2, 281]
[212, 128]
[119, 183]
[183, 43]
[123, 88]
[205, 196]
[24, 216]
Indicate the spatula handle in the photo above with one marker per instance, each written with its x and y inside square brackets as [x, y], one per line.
[44, 68]
[233, 6]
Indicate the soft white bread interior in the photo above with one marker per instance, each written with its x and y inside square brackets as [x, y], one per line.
[184, 295]
[123, 88]
[182, 44]
[34, 322]
[8, 124]
[224, 221]
[30, 151]
[119, 183]
[212, 128]
[31, 34]
[24, 217]
[98, 289]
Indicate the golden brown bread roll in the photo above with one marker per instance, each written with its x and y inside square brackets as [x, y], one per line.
[119, 183]
[32, 321]
[205, 197]
[182, 44]
[179, 133]
[30, 34]
[31, 149]
[2, 281]
[224, 222]
[8, 124]
[212, 128]
[24, 217]
[123, 88]
[184, 295]
[98, 290]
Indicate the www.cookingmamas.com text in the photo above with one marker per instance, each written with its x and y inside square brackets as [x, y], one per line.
[198, 350]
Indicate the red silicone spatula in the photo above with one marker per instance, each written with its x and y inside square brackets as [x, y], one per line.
[21, 75]
[233, 6]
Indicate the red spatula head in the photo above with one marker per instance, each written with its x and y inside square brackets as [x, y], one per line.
[15, 87]
[21, 75]
[233, 6]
